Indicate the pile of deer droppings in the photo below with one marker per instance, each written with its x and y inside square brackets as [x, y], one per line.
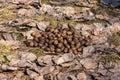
[57, 40]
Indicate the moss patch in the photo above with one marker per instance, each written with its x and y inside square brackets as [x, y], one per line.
[115, 39]
[93, 21]
[5, 50]
[37, 51]
[19, 36]
[45, 1]
[6, 14]
[78, 8]
[114, 57]
[106, 10]
[53, 21]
